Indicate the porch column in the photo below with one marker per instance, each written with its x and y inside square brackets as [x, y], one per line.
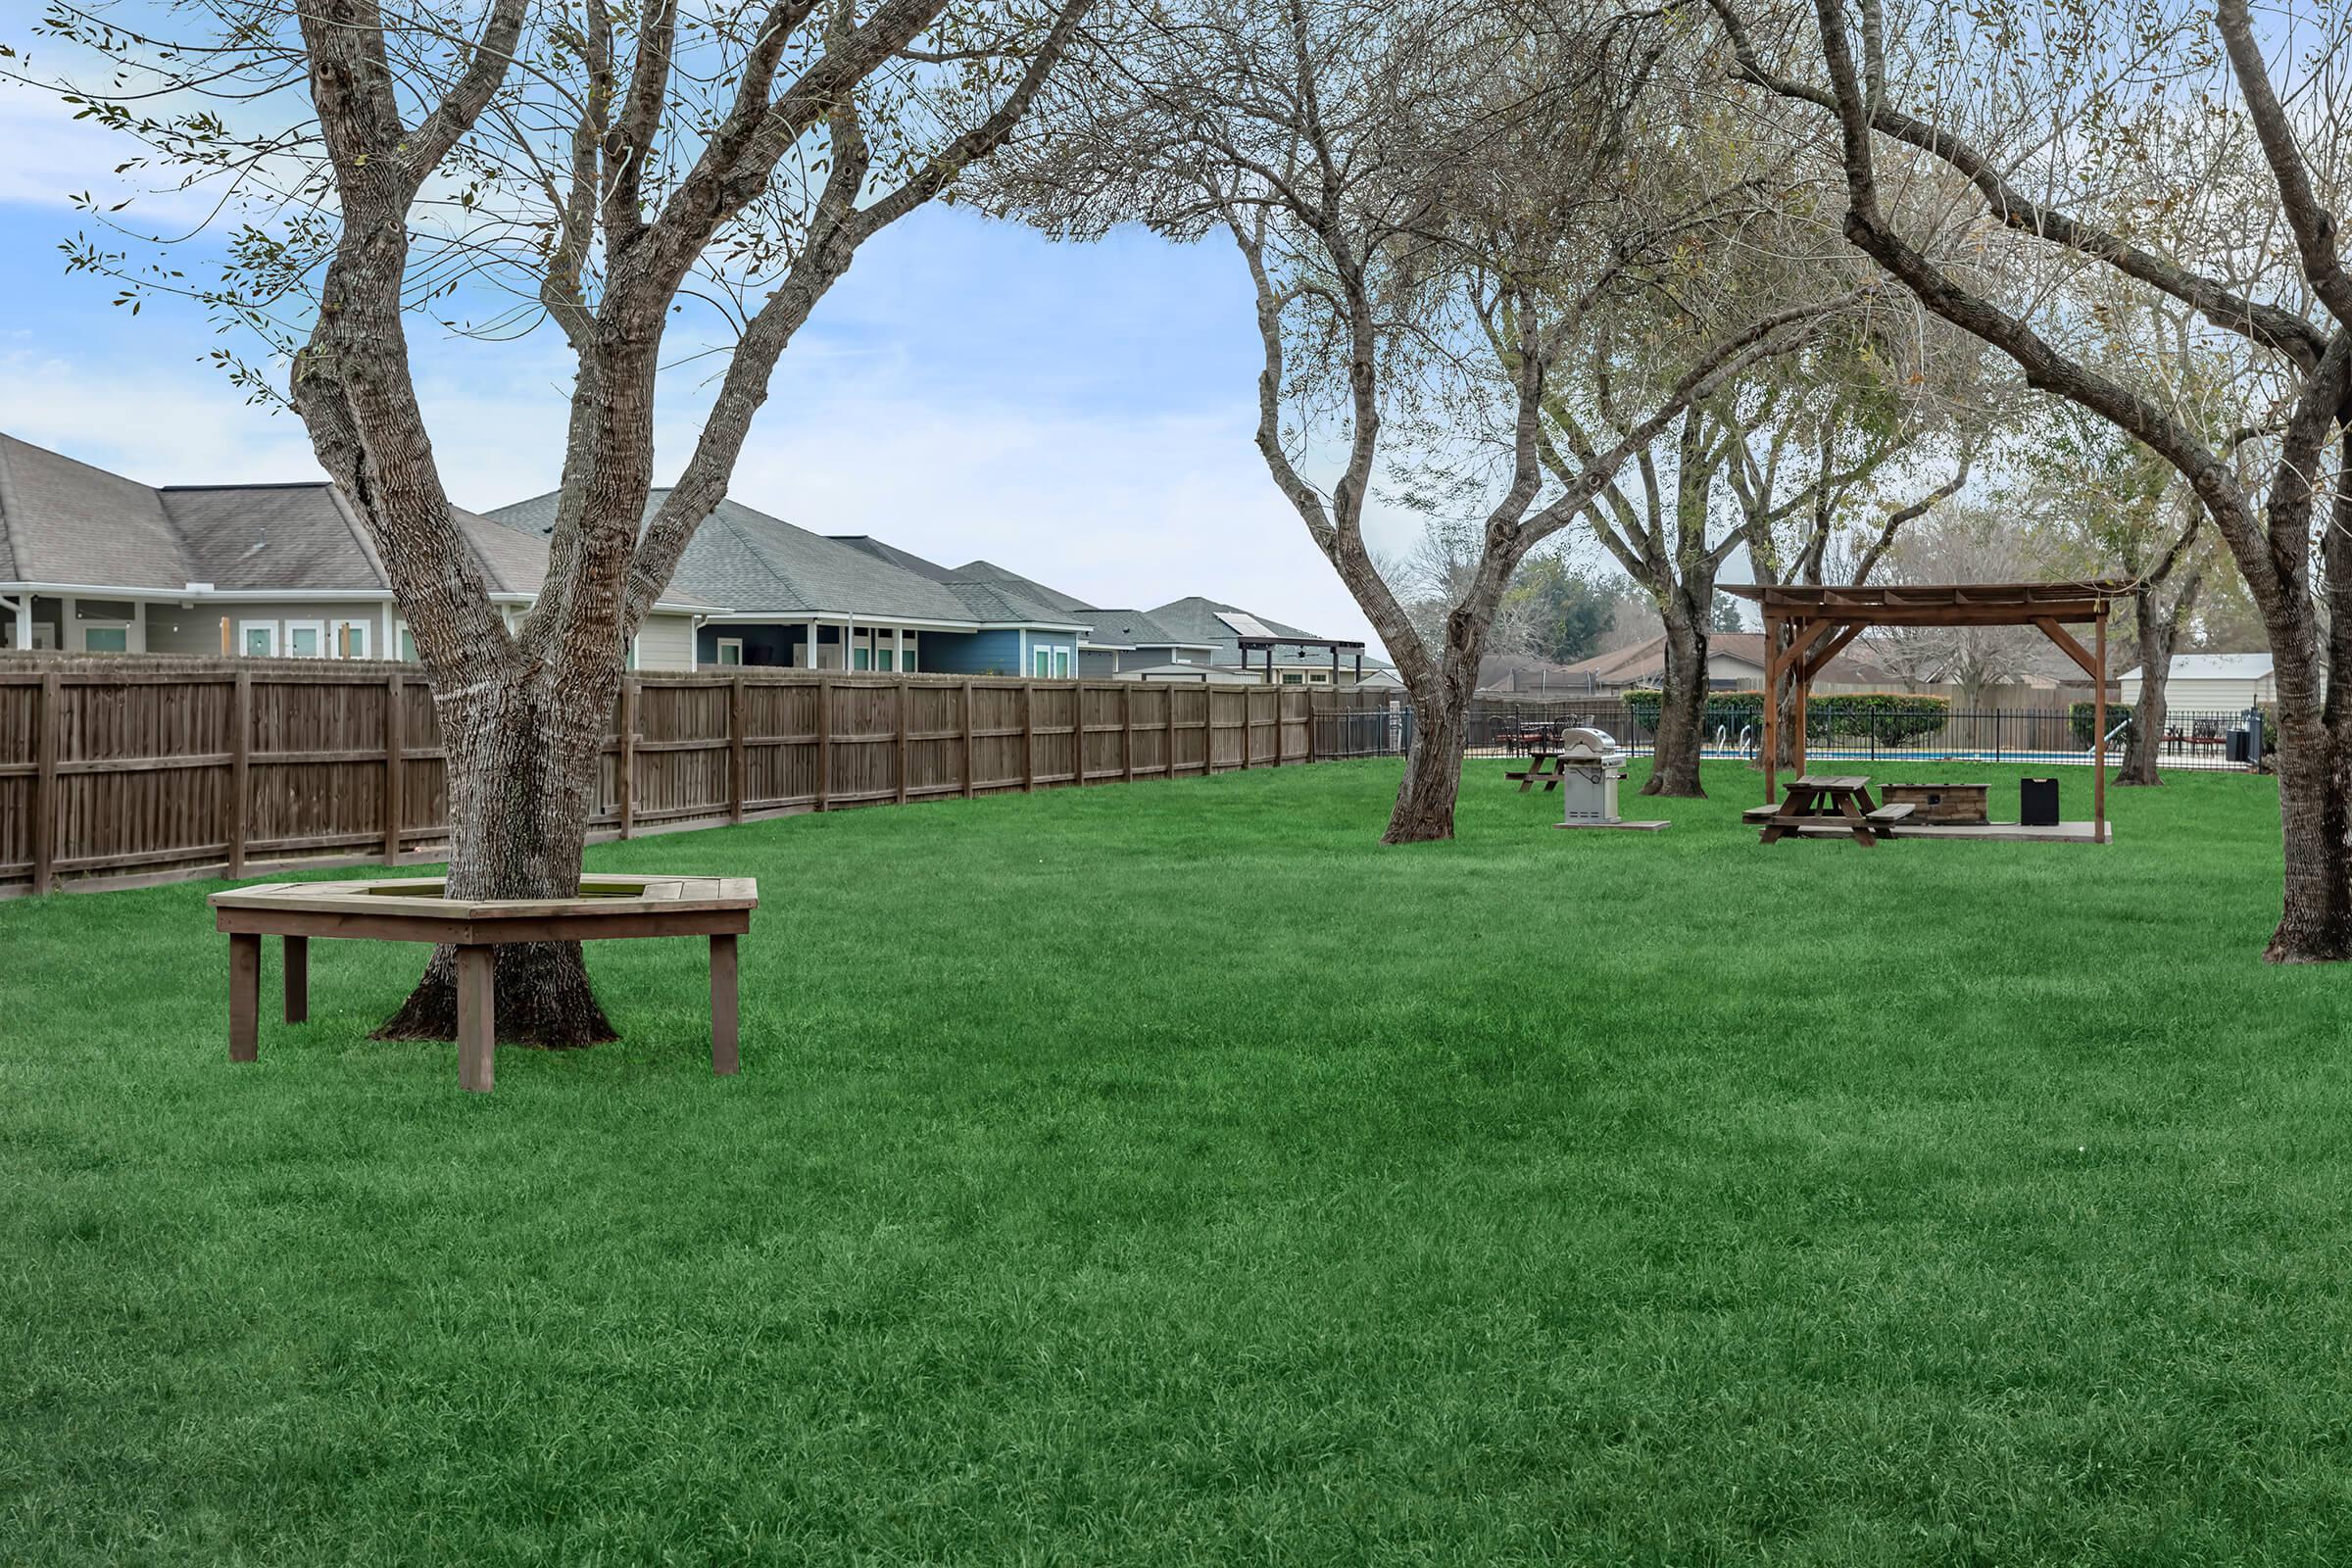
[812, 654]
[849, 645]
[135, 640]
[897, 655]
[25, 620]
[69, 617]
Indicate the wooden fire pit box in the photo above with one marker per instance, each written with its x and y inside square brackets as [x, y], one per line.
[1954, 803]
[418, 910]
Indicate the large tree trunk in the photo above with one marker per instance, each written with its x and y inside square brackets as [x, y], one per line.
[1433, 768]
[522, 756]
[2146, 740]
[2315, 811]
[1682, 701]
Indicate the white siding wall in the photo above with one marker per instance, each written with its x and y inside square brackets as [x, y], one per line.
[665, 642]
[2205, 696]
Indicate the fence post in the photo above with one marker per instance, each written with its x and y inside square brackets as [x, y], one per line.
[240, 754]
[1127, 729]
[624, 783]
[825, 742]
[395, 693]
[905, 723]
[968, 737]
[1028, 737]
[45, 812]
[739, 775]
[1249, 717]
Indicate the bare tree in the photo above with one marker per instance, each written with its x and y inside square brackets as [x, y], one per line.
[1399, 180]
[1963, 544]
[2065, 128]
[600, 168]
[1869, 430]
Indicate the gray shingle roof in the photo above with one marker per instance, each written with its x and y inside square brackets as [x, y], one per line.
[1130, 628]
[758, 565]
[271, 537]
[995, 576]
[882, 550]
[66, 523]
[1194, 620]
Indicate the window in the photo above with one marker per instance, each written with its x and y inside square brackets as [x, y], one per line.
[106, 639]
[351, 639]
[883, 658]
[408, 646]
[1043, 663]
[859, 657]
[1290, 677]
[1061, 663]
[909, 654]
[730, 649]
[257, 639]
[306, 639]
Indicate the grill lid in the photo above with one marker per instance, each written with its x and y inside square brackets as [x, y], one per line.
[1589, 745]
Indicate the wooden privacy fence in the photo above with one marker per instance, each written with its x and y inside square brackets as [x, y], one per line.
[132, 767]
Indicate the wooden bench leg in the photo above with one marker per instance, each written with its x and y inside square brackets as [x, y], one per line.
[297, 957]
[725, 1055]
[244, 997]
[477, 1016]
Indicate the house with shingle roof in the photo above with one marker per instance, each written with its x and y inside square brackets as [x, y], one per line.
[91, 562]
[1288, 654]
[811, 602]
[1735, 662]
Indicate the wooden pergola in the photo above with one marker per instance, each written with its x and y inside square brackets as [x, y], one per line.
[1824, 620]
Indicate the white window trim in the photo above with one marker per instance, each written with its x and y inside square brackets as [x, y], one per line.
[83, 628]
[326, 649]
[725, 643]
[269, 626]
[366, 638]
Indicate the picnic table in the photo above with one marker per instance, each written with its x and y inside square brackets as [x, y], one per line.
[1534, 771]
[1818, 798]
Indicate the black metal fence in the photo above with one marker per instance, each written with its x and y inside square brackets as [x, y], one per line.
[1381, 724]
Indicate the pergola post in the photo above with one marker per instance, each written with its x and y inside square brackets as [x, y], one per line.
[1775, 666]
[2099, 726]
[1804, 690]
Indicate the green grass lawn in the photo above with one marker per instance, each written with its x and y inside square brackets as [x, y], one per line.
[1168, 1173]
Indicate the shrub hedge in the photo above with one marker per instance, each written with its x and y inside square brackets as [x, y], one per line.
[1891, 716]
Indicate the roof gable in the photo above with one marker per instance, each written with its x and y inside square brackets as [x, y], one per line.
[995, 576]
[64, 522]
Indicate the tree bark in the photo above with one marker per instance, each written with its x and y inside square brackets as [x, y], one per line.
[2159, 626]
[523, 766]
[1683, 699]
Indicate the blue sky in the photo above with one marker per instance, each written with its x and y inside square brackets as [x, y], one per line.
[1081, 413]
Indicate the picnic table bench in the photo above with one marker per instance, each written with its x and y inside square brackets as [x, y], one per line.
[1535, 770]
[1819, 799]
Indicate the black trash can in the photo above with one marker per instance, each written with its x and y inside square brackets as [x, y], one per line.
[2037, 802]
[2240, 748]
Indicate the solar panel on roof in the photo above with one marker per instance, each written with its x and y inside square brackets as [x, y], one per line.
[1243, 623]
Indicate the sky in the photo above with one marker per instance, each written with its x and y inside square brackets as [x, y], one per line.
[1080, 414]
